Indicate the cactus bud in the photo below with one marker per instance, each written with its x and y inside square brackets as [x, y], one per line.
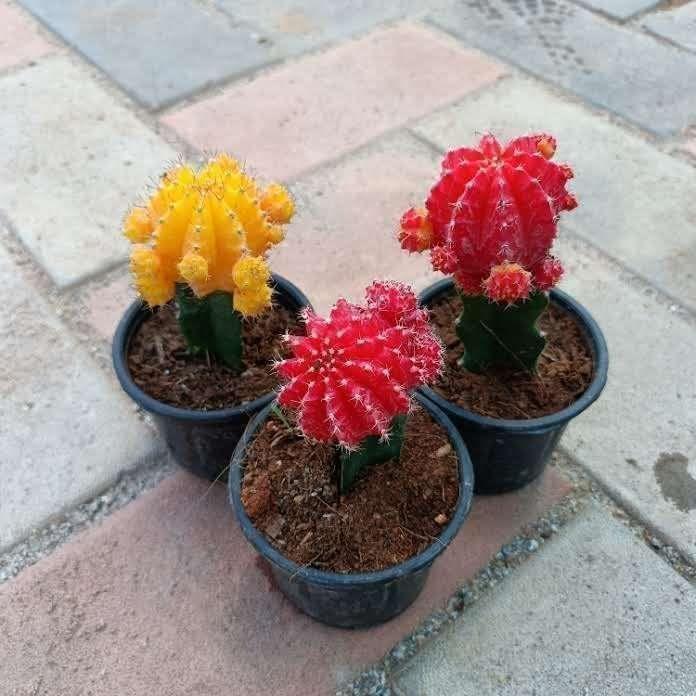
[508, 282]
[416, 231]
[277, 204]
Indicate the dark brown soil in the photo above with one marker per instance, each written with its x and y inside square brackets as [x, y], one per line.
[161, 366]
[395, 510]
[565, 369]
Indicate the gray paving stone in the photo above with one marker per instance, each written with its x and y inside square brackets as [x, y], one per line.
[639, 439]
[66, 431]
[633, 74]
[74, 160]
[677, 25]
[159, 50]
[620, 9]
[292, 27]
[635, 202]
[595, 612]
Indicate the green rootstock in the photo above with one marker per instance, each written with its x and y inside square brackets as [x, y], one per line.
[210, 324]
[495, 334]
[371, 451]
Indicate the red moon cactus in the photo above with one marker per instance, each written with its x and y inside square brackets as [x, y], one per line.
[351, 374]
[494, 206]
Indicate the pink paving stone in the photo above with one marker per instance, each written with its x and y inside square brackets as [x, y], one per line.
[319, 107]
[105, 306]
[20, 42]
[690, 146]
[344, 234]
[167, 598]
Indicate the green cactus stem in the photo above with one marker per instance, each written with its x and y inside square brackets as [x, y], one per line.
[372, 450]
[499, 334]
[209, 324]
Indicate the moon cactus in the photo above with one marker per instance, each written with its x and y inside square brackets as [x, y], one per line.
[490, 221]
[349, 378]
[202, 238]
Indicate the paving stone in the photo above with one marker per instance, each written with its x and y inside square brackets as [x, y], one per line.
[635, 202]
[75, 161]
[677, 25]
[158, 51]
[690, 146]
[620, 9]
[104, 306]
[317, 108]
[595, 612]
[166, 596]
[20, 42]
[66, 431]
[344, 235]
[635, 75]
[291, 27]
[639, 439]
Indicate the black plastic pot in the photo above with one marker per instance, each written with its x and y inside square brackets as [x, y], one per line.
[509, 454]
[353, 600]
[200, 441]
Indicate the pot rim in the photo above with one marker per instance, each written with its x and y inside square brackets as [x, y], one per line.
[599, 349]
[134, 316]
[329, 578]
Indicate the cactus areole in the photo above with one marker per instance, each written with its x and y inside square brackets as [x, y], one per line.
[201, 239]
[350, 378]
[490, 221]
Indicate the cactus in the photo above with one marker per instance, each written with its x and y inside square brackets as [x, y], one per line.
[349, 378]
[201, 238]
[490, 221]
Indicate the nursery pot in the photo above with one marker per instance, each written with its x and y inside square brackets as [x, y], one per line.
[509, 454]
[353, 600]
[200, 441]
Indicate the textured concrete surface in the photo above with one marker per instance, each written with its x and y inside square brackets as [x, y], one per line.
[636, 76]
[595, 612]
[66, 432]
[291, 27]
[324, 105]
[344, 234]
[20, 40]
[620, 9]
[635, 202]
[76, 160]
[104, 305]
[639, 439]
[677, 25]
[167, 597]
[158, 51]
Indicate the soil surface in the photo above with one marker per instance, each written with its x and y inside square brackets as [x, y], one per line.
[160, 364]
[394, 511]
[565, 369]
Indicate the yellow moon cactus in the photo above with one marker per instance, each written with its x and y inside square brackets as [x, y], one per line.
[209, 229]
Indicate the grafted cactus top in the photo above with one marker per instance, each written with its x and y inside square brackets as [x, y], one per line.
[209, 228]
[491, 218]
[351, 374]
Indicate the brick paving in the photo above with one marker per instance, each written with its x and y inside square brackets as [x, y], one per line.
[352, 105]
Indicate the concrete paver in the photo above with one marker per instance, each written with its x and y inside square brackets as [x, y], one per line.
[158, 51]
[595, 612]
[20, 40]
[677, 24]
[620, 9]
[344, 235]
[66, 431]
[324, 105]
[635, 202]
[166, 596]
[635, 75]
[76, 160]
